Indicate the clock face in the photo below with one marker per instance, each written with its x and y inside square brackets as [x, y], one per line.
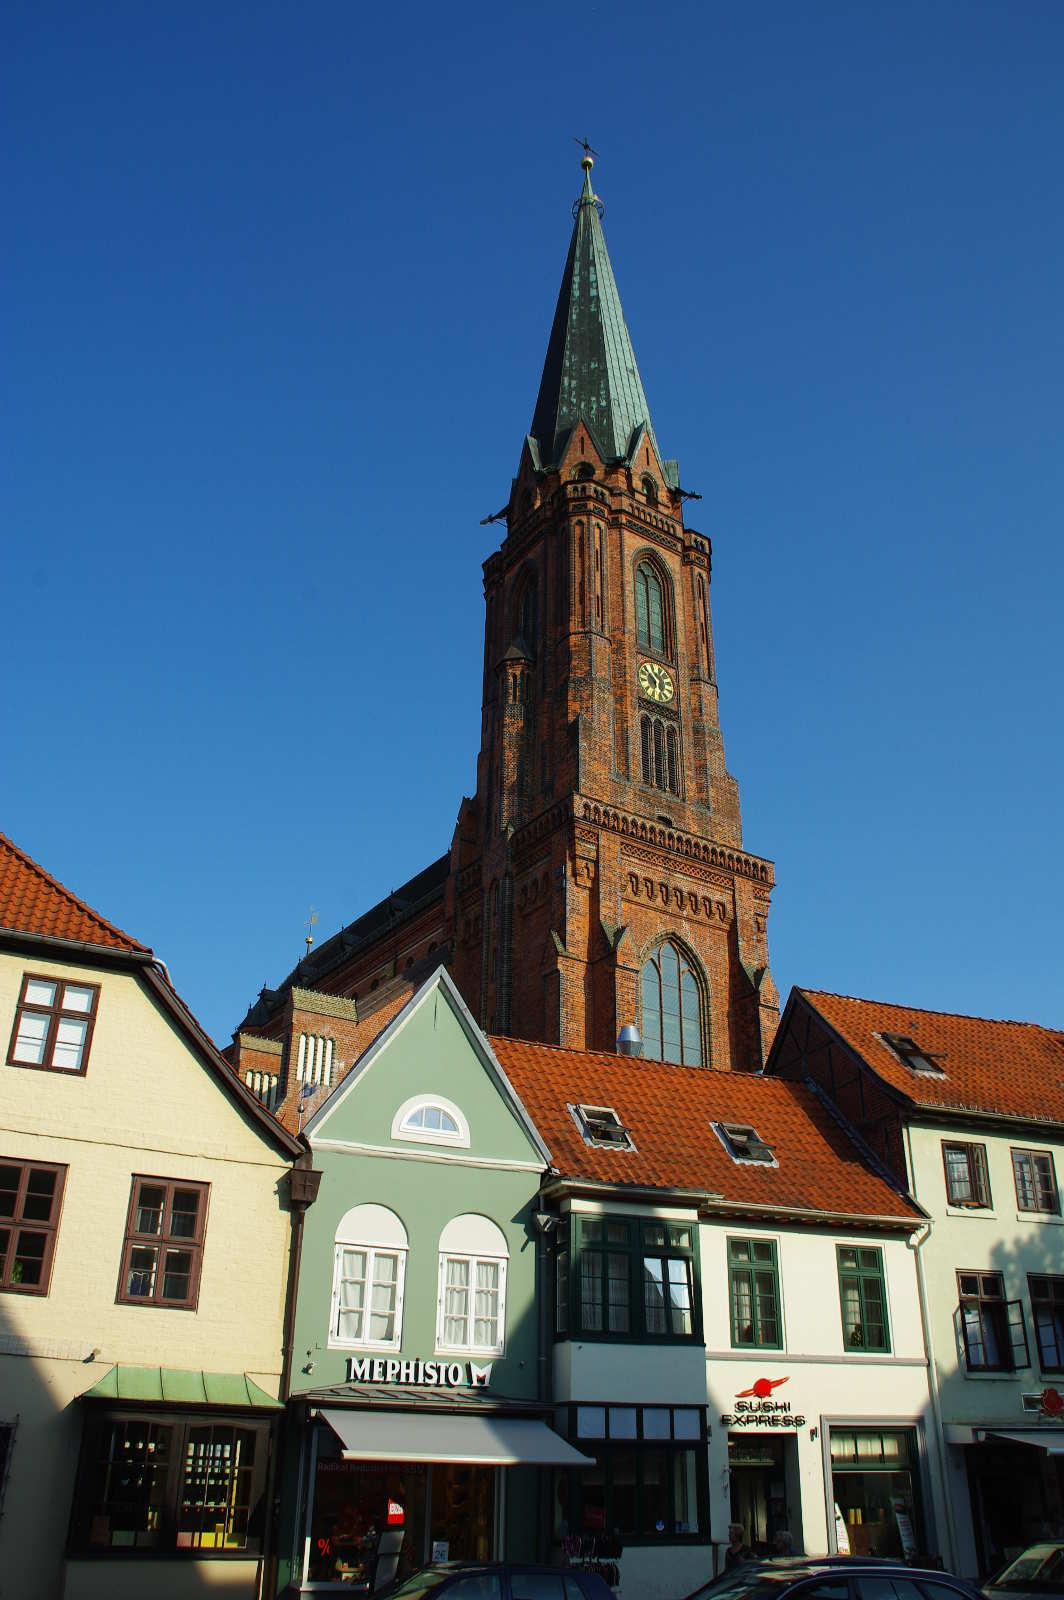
[656, 682]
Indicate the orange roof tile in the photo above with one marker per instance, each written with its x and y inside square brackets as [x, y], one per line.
[32, 901]
[1012, 1069]
[367, 1029]
[668, 1111]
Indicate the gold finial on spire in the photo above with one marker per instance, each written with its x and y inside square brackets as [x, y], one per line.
[587, 163]
[311, 920]
[589, 154]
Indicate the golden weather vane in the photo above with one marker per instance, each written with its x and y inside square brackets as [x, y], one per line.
[311, 920]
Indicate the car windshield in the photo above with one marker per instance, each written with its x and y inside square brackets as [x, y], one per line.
[763, 1579]
[1041, 1568]
[419, 1583]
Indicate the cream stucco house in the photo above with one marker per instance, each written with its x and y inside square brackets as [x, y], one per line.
[145, 1227]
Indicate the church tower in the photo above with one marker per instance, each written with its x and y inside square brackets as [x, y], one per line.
[598, 876]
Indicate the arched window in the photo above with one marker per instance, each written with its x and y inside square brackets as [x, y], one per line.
[650, 489]
[649, 608]
[431, 1119]
[659, 750]
[369, 1270]
[525, 612]
[471, 1311]
[672, 1008]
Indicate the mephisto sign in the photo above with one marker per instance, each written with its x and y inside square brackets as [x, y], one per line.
[418, 1374]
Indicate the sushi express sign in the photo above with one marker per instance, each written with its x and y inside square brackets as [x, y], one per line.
[756, 1408]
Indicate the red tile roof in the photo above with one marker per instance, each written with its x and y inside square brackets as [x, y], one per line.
[366, 1030]
[1013, 1069]
[32, 901]
[668, 1111]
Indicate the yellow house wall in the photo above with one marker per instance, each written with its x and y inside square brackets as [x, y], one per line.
[147, 1106]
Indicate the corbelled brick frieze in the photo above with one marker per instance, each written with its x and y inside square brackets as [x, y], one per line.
[671, 839]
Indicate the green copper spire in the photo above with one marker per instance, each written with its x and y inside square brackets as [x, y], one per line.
[590, 370]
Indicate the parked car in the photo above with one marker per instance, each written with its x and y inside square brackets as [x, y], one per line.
[500, 1580]
[834, 1578]
[1038, 1571]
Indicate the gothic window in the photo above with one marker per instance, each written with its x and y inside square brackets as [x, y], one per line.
[650, 489]
[525, 611]
[672, 1008]
[649, 608]
[660, 754]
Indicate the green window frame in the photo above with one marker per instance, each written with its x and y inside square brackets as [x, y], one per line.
[863, 1297]
[650, 1482]
[754, 1294]
[627, 1278]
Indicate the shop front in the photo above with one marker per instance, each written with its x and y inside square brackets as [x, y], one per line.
[394, 1480]
[763, 1474]
[1015, 1479]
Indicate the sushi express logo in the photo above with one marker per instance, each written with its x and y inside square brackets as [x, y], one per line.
[755, 1408]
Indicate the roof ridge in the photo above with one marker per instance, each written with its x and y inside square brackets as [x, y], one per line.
[927, 1011]
[616, 1060]
[68, 894]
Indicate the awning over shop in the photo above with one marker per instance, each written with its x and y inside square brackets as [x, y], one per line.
[492, 1441]
[1049, 1439]
[177, 1386]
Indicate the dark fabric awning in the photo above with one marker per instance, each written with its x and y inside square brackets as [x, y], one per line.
[492, 1441]
[1048, 1439]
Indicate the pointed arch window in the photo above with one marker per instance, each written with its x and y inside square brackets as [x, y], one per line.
[525, 613]
[649, 608]
[660, 753]
[672, 1008]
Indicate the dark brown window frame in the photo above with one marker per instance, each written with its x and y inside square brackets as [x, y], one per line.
[978, 1175]
[1051, 1210]
[181, 1421]
[163, 1241]
[17, 1225]
[1004, 1317]
[56, 1013]
[1046, 1290]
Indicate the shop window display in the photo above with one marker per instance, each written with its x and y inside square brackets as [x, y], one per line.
[372, 1523]
[647, 1484]
[367, 1526]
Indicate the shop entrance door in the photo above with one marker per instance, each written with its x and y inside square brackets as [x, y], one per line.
[757, 1475]
[462, 1518]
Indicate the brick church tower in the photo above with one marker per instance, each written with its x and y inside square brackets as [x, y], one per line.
[597, 877]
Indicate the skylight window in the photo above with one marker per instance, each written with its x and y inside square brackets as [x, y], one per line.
[744, 1143]
[912, 1056]
[600, 1125]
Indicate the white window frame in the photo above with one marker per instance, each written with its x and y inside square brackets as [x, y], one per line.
[458, 1140]
[479, 1241]
[348, 1238]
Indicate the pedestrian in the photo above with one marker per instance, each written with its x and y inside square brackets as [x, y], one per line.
[737, 1548]
[782, 1543]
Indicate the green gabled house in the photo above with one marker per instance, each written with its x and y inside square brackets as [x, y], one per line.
[417, 1416]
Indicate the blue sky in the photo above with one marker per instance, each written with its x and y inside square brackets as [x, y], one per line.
[277, 284]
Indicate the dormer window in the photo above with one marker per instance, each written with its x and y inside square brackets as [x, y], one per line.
[600, 1125]
[744, 1143]
[911, 1055]
[430, 1119]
